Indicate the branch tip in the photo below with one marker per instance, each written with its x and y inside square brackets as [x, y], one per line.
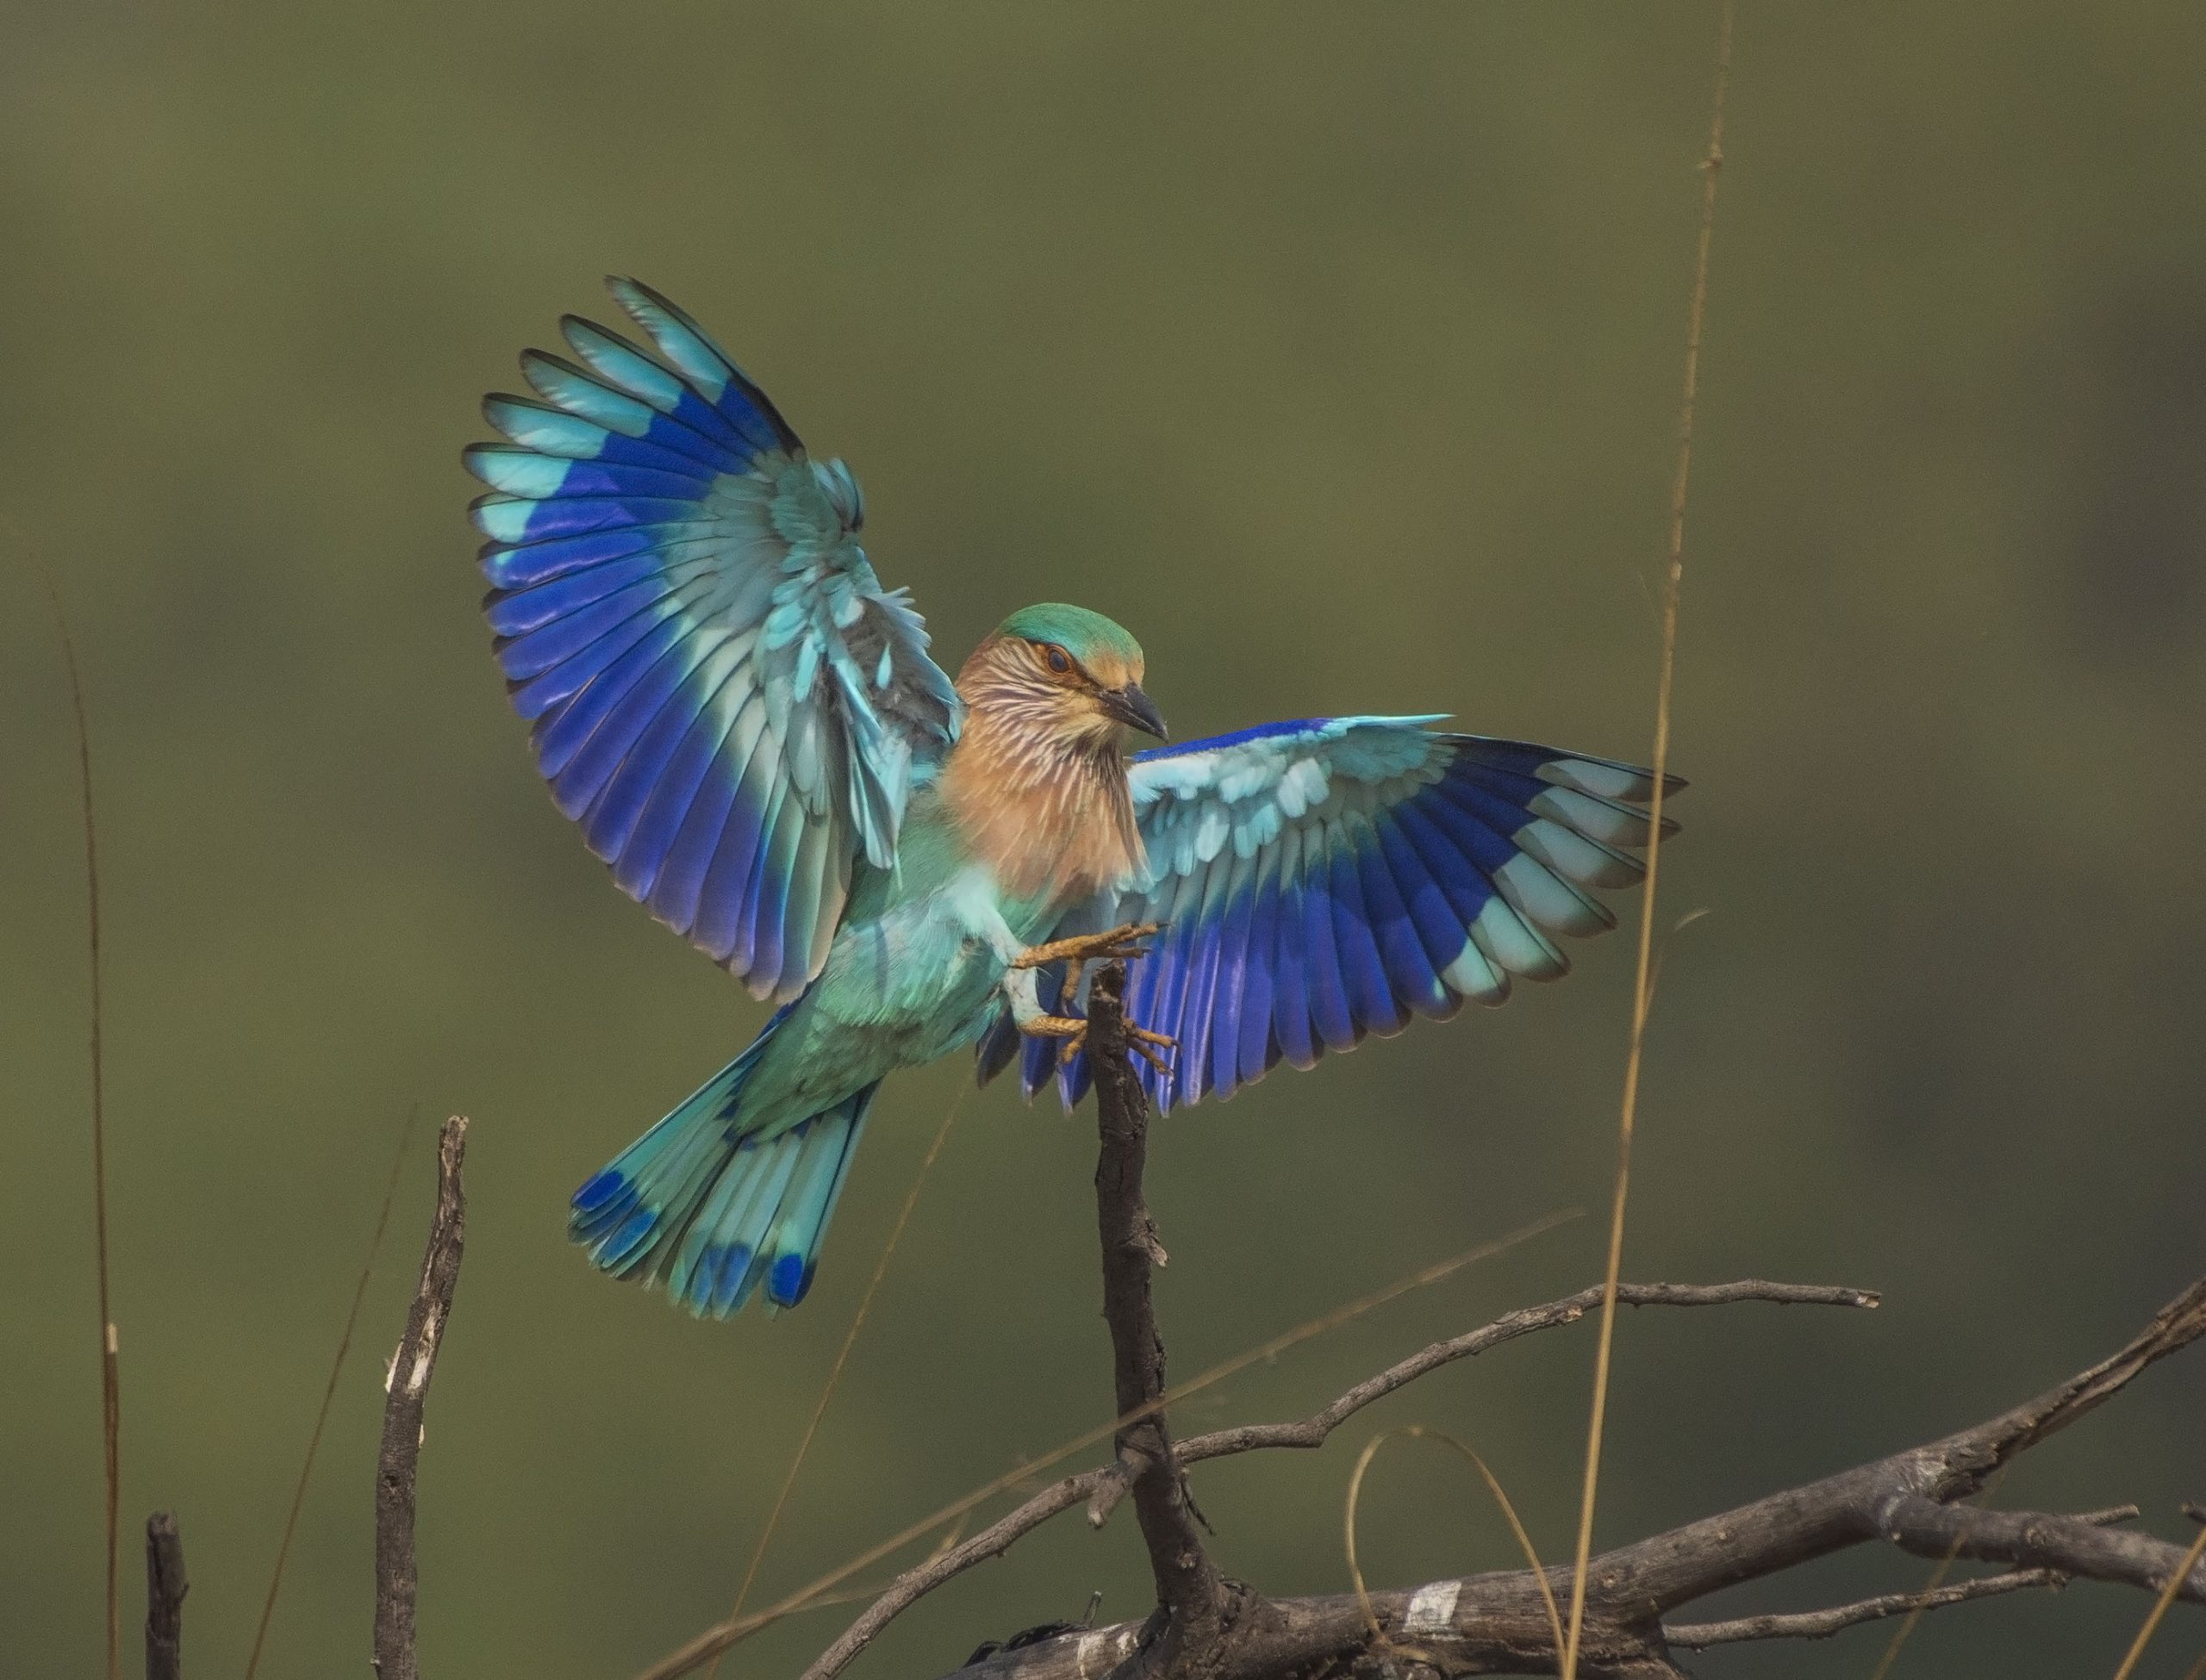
[397, 1579]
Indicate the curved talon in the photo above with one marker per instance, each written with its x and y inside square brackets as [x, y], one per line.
[1140, 1040]
[1114, 945]
[1145, 1044]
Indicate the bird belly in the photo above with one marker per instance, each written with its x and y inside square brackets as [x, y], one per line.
[911, 979]
[899, 989]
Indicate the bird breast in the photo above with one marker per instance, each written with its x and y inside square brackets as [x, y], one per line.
[1050, 819]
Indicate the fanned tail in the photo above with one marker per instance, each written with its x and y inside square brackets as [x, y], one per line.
[714, 1213]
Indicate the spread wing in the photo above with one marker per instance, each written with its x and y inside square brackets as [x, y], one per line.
[1331, 877]
[718, 689]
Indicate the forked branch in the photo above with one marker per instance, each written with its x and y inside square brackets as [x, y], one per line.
[1498, 1623]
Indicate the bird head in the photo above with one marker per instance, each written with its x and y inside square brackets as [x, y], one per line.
[1065, 666]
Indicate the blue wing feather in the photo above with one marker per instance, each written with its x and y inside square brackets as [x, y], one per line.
[678, 894]
[1324, 879]
[1229, 990]
[515, 568]
[579, 749]
[1371, 1002]
[654, 866]
[544, 429]
[649, 733]
[1254, 1039]
[1001, 1044]
[651, 764]
[1198, 1009]
[1440, 839]
[705, 365]
[585, 635]
[1291, 1029]
[512, 470]
[1039, 1056]
[721, 691]
[517, 613]
[1331, 1021]
[1414, 945]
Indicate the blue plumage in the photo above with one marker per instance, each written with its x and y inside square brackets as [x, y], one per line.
[750, 733]
[1294, 726]
[1326, 879]
[718, 1210]
[662, 554]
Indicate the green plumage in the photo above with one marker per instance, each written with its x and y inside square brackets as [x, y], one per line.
[1088, 636]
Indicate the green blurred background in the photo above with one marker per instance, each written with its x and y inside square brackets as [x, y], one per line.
[1336, 351]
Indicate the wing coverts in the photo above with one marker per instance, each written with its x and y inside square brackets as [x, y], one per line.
[1327, 877]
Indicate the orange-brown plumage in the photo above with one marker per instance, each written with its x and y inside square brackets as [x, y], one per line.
[1036, 782]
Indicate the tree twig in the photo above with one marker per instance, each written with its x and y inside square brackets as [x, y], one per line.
[1311, 1432]
[1822, 1624]
[2166, 1597]
[1189, 1591]
[412, 1366]
[166, 1586]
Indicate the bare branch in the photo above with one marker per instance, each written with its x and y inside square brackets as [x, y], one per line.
[1194, 1600]
[406, 1392]
[1497, 1623]
[1822, 1624]
[1871, 1502]
[166, 1586]
[1102, 1488]
[721, 1636]
[1312, 1431]
[913, 1584]
[2038, 1539]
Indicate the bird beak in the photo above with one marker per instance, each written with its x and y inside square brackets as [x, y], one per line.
[1130, 705]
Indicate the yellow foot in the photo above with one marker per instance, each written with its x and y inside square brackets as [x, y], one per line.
[1113, 945]
[1143, 1043]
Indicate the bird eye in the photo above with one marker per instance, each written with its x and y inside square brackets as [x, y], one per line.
[1058, 661]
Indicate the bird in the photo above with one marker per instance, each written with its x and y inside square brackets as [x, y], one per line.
[750, 731]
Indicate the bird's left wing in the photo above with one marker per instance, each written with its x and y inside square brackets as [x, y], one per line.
[1331, 877]
[721, 692]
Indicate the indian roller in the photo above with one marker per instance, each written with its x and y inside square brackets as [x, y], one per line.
[750, 732]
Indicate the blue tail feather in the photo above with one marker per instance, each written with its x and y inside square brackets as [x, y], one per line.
[715, 1212]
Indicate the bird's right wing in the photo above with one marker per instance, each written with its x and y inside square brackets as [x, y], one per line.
[720, 691]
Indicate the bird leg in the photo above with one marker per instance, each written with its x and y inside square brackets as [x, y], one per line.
[1114, 945]
[1140, 1040]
